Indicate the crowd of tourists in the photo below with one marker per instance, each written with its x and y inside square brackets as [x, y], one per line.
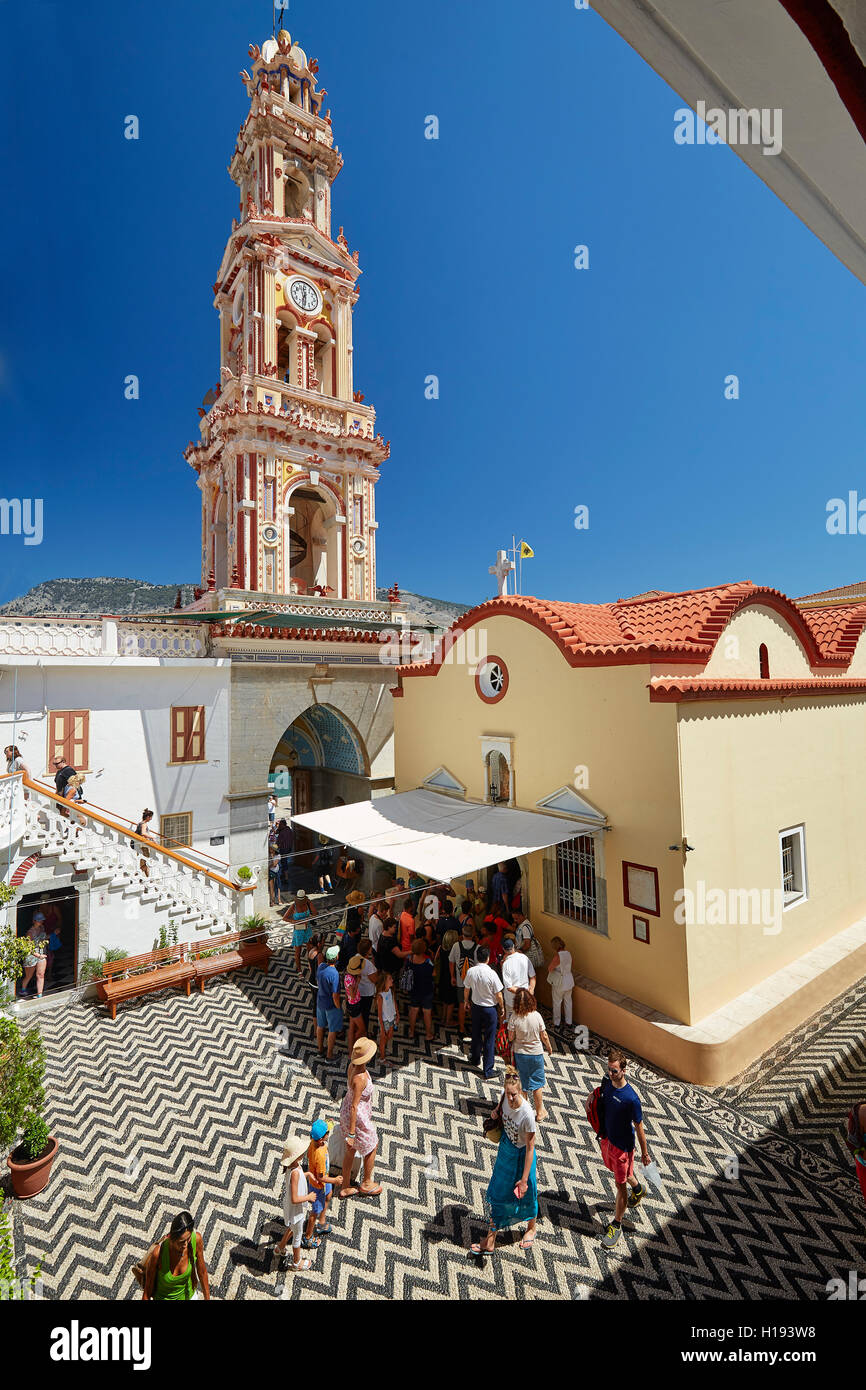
[415, 955]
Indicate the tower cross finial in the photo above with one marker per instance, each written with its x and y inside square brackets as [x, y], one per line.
[502, 569]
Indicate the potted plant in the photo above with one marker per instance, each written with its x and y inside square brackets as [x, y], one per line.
[255, 929]
[22, 1097]
[92, 968]
[245, 877]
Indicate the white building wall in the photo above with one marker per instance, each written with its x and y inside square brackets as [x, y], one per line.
[130, 733]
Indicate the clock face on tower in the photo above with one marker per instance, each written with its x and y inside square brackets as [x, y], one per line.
[305, 296]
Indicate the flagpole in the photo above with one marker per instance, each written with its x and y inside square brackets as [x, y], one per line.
[521, 564]
[514, 558]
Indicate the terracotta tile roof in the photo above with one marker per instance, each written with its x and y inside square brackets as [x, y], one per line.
[857, 590]
[294, 634]
[677, 627]
[667, 689]
[837, 628]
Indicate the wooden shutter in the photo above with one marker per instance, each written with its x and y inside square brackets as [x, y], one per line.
[187, 734]
[69, 738]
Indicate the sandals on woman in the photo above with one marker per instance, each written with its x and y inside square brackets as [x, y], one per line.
[528, 1240]
[478, 1250]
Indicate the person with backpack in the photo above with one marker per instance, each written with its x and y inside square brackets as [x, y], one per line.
[856, 1142]
[460, 958]
[174, 1268]
[620, 1121]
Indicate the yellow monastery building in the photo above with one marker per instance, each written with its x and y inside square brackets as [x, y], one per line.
[708, 748]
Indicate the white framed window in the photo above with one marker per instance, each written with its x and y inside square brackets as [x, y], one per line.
[574, 882]
[498, 754]
[175, 831]
[792, 853]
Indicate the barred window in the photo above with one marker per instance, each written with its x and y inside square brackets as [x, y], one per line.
[574, 885]
[175, 831]
[792, 849]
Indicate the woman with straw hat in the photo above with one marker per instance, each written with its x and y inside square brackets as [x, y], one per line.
[356, 1123]
[296, 1199]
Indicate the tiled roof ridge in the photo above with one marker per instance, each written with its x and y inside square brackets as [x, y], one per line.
[686, 624]
[737, 584]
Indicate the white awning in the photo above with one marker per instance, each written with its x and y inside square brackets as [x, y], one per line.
[439, 836]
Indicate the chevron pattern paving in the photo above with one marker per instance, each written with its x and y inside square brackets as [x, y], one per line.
[183, 1103]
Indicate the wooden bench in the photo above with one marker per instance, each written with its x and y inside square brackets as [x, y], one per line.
[227, 958]
[235, 952]
[255, 950]
[144, 974]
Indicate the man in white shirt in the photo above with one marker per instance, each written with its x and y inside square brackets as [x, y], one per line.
[518, 972]
[484, 988]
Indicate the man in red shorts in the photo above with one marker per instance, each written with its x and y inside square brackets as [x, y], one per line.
[621, 1118]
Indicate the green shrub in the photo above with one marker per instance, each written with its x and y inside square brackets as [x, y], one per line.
[22, 1075]
[13, 949]
[11, 1287]
[35, 1137]
[245, 873]
[255, 922]
[91, 969]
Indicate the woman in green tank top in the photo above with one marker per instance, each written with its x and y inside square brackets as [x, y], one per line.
[176, 1265]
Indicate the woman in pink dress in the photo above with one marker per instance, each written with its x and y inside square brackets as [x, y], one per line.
[356, 1123]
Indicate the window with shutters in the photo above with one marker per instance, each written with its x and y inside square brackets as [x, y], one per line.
[175, 830]
[187, 734]
[574, 885]
[69, 739]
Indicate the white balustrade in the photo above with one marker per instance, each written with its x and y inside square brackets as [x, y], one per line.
[182, 884]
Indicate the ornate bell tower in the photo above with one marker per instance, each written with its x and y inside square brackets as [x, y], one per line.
[289, 455]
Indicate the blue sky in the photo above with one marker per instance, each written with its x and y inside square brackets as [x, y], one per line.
[558, 387]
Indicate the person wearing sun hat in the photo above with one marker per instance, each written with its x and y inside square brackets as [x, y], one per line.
[317, 1174]
[297, 1197]
[354, 921]
[356, 1123]
[300, 914]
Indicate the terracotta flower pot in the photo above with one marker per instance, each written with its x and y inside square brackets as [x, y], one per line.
[30, 1178]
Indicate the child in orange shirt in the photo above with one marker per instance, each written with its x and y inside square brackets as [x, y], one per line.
[317, 1173]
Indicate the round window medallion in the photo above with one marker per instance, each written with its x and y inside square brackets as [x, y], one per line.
[270, 534]
[491, 679]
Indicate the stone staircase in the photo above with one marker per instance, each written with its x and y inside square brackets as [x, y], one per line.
[173, 889]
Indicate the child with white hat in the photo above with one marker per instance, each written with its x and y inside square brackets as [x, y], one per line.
[296, 1198]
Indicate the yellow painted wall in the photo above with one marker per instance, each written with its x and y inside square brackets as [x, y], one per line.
[751, 769]
[561, 718]
[736, 652]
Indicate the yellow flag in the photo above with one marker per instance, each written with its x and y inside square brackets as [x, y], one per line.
[526, 551]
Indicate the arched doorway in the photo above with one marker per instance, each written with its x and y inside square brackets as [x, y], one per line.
[319, 761]
[310, 542]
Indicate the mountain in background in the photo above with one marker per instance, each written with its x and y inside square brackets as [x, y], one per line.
[90, 598]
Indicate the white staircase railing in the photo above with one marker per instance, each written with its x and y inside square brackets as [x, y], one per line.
[193, 896]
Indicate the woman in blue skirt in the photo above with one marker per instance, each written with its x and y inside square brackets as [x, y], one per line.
[512, 1195]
